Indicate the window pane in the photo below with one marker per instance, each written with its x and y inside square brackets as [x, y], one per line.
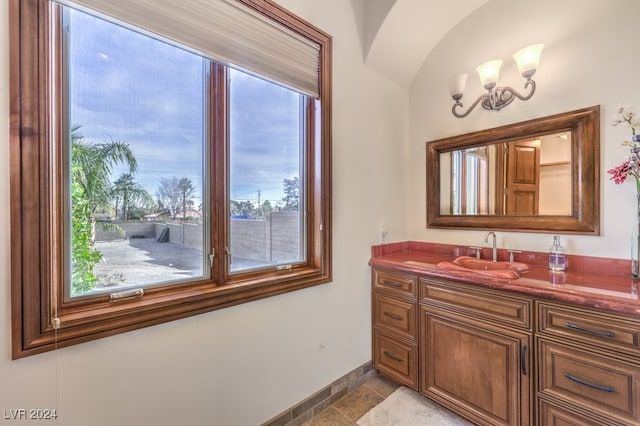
[135, 110]
[266, 140]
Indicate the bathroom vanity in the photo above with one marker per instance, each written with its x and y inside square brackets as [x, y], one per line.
[545, 348]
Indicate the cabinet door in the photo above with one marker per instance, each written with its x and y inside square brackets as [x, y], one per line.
[478, 370]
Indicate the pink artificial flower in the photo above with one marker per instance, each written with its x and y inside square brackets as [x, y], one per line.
[620, 173]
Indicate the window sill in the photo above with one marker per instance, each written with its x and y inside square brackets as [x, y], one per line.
[80, 323]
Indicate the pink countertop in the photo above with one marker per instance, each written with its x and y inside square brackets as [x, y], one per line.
[596, 282]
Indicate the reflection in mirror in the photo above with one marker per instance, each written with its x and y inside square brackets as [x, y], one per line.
[540, 175]
[466, 184]
[530, 176]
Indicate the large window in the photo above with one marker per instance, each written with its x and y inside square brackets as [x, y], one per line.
[154, 179]
[266, 163]
[135, 142]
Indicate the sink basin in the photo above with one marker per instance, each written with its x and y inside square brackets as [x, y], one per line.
[509, 270]
[483, 264]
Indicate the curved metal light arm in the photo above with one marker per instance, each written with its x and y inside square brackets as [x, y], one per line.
[495, 99]
[527, 84]
[460, 105]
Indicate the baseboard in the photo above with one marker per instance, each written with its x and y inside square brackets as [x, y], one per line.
[314, 404]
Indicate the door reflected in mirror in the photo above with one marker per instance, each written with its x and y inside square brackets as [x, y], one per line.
[530, 176]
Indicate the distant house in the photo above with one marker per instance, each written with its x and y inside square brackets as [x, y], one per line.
[153, 217]
[190, 215]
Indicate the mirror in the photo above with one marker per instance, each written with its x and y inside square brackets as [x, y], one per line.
[540, 175]
[530, 176]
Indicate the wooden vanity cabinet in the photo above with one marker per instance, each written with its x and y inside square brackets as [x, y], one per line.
[588, 364]
[475, 347]
[394, 312]
[469, 347]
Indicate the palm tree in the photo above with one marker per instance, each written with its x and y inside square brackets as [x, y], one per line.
[91, 166]
[94, 162]
[131, 193]
[186, 189]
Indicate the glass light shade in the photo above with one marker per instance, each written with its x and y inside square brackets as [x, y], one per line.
[489, 72]
[457, 84]
[528, 59]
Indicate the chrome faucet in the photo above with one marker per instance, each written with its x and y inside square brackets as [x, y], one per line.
[494, 252]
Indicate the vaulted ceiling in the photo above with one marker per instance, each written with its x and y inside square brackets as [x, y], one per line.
[397, 35]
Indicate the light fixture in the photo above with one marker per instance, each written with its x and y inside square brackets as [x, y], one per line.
[498, 97]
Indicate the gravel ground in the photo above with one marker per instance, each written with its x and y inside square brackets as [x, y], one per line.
[139, 261]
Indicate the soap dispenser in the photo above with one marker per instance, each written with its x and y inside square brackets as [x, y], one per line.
[557, 259]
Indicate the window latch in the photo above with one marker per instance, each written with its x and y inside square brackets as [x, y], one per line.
[128, 294]
[284, 267]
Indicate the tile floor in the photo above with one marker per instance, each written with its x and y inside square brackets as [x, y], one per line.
[347, 410]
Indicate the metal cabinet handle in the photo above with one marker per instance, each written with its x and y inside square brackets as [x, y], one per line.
[586, 330]
[523, 359]
[591, 385]
[393, 316]
[395, 358]
[391, 284]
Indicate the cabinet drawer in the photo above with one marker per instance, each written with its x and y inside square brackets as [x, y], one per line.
[395, 359]
[396, 316]
[399, 284]
[480, 303]
[550, 414]
[585, 326]
[586, 380]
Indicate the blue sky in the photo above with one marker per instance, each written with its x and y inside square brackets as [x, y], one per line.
[131, 88]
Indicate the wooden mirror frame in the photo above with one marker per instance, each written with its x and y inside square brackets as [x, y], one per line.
[584, 124]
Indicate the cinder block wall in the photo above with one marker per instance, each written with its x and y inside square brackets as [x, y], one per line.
[274, 239]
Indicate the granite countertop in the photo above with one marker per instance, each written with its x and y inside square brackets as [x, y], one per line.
[602, 283]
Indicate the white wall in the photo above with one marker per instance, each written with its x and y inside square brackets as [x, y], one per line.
[590, 58]
[245, 364]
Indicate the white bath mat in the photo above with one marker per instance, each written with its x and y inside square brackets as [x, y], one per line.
[405, 407]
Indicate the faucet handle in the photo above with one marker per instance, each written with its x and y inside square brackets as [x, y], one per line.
[512, 254]
[478, 251]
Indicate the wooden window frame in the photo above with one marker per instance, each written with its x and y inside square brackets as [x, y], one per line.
[35, 194]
